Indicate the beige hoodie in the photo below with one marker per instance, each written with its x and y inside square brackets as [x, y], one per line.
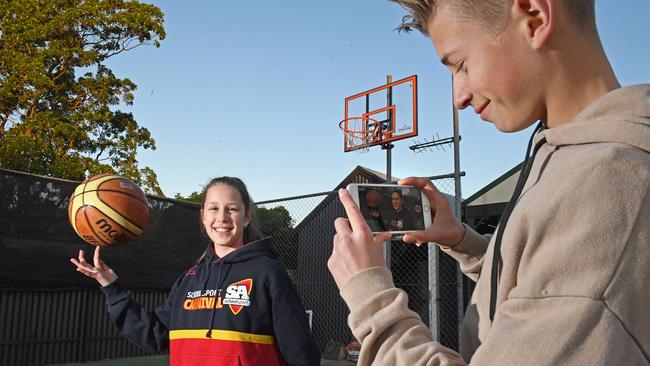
[575, 281]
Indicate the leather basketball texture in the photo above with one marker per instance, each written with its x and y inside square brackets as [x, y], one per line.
[108, 210]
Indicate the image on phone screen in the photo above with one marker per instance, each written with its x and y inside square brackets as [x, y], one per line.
[391, 208]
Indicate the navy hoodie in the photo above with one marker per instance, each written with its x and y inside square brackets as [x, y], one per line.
[241, 309]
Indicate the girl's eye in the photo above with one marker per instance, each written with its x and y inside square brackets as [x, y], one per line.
[233, 209]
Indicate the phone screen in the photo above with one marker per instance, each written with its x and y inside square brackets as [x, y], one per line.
[391, 208]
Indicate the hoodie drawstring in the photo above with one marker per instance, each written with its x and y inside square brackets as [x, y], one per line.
[258, 248]
[208, 266]
[217, 294]
[496, 255]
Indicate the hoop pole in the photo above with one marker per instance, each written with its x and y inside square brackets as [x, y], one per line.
[388, 147]
[458, 199]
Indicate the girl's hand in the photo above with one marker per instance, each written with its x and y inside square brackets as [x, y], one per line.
[101, 272]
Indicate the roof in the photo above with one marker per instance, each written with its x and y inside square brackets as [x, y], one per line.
[500, 190]
[361, 174]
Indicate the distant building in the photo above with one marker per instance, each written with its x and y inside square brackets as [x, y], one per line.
[483, 209]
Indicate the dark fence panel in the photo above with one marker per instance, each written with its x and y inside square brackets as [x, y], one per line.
[62, 326]
[37, 241]
[49, 313]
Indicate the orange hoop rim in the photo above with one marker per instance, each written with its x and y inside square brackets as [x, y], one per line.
[363, 133]
[360, 140]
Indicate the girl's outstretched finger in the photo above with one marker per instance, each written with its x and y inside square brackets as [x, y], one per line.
[96, 258]
[82, 259]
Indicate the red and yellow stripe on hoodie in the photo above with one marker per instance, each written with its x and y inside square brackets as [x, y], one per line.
[191, 347]
[238, 310]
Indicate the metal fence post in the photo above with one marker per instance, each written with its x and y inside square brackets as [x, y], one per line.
[434, 318]
[457, 206]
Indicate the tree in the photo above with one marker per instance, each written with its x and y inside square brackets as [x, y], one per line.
[58, 97]
[278, 223]
[192, 197]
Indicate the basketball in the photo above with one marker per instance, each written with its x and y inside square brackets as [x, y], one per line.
[107, 210]
[373, 198]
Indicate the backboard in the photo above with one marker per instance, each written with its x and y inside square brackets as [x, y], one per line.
[393, 105]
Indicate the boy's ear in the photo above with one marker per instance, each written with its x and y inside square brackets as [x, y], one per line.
[538, 18]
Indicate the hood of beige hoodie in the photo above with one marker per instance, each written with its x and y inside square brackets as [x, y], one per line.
[621, 116]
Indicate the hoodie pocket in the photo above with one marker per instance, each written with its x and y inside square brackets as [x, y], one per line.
[206, 358]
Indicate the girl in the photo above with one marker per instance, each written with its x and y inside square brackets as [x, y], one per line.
[236, 306]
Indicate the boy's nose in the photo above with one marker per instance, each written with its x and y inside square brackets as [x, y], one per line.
[463, 101]
[462, 95]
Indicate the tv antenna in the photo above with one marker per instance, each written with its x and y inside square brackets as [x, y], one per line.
[436, 141]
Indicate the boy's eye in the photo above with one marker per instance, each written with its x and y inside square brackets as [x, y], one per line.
[461, 66]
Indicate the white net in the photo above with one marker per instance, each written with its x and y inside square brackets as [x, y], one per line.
[360, 133]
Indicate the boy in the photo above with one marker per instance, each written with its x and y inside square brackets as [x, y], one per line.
[565, 278]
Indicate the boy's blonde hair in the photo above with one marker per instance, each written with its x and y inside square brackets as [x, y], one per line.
[491, 14]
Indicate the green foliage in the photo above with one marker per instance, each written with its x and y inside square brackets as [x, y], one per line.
[274, 220]
[277, 222]
[193, 197]
[57, 96]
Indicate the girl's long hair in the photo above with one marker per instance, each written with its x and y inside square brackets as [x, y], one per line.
[251, 231]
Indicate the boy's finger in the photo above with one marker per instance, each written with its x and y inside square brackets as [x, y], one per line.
[352, 210]
[417, 237]
[408, 239]
[414, 181]
[342, 225]
[433, 194]
[382, 237]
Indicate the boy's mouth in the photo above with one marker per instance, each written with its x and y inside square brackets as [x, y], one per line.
[480, 109]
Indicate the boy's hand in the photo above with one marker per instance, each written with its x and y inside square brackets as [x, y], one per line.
[445, 229]
[355, 249]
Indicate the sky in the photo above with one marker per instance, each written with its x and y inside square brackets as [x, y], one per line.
[256, 89]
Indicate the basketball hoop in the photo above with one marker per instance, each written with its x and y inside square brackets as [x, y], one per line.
[360, 132]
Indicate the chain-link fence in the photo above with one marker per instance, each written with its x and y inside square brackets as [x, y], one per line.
[34, 233]
[303, 229]
[449, 300]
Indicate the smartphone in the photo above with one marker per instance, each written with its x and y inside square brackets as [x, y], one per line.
[392, 207]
